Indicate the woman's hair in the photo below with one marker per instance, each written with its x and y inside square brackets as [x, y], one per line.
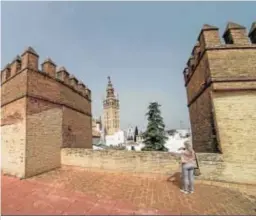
[188, 145]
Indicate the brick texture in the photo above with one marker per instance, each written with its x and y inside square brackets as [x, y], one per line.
[37, 111]
[44, 141]
[201, 123]
[56, 92]
[141, 162]
[199, 76]
[232, 63]
[77, 129]
[13, 139]
[222, 111]
[236, 121]
[78, 191]
[14, 88]
[229, 72]
[213, 166]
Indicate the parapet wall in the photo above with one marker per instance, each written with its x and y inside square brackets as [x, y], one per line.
[212, 166]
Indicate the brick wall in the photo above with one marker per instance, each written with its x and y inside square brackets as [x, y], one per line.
[200, 74]
[44, 136]
[141, 162]
[13, 139]
[38, 108]
[14, 88]
[56, 92]
[236, 121]
[212, 166]
[216, 167]
[201, 116]
[232, 63]
[228, 68]
[77, 129]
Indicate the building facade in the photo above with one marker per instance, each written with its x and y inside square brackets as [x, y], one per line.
[130, 133]
[111, 111]
[96, 127]
[220, 80]
[42, 111]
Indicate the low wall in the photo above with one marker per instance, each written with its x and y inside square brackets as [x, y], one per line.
[215, 167]
[119, 160]
[212, 166]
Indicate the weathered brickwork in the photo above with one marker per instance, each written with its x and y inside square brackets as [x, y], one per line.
[56, 92]
[233, 63]
[198, 78]
[216, 66]
[201, 123]
[75, 129]
[53, 102]
[212, 165]
[13, 137]
[14, 89]
[128, 161]
[236, 121]
[221, 87]
[44, 141]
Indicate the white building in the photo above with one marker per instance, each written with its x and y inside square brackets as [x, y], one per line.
[130, 133]
[118, 138]
[173, 143]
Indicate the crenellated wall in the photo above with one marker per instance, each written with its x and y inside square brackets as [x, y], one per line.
[220, 79]
[57, 106]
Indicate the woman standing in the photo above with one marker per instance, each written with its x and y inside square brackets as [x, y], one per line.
[187, 155]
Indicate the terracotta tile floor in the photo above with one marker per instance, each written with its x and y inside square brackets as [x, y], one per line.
[77, 191]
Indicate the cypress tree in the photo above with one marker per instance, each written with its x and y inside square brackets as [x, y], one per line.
[154, 136]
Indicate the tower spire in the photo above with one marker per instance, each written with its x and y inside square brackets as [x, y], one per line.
[111, 110]
[110, 89]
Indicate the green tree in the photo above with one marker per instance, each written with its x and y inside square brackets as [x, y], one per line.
[136, 133]
[154, 136]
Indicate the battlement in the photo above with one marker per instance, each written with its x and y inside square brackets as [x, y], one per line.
[220, 83]
[30, 59]
[234, 37]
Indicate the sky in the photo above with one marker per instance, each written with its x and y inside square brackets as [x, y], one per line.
[142, 46]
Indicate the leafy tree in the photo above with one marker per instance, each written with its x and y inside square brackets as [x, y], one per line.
[136, 133]
[154, 136]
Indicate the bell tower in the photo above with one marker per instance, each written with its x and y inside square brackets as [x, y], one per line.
[111, 111]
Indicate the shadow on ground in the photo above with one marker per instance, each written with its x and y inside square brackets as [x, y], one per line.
[175, 179]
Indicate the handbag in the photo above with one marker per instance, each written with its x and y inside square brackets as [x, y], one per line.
[197, 169]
